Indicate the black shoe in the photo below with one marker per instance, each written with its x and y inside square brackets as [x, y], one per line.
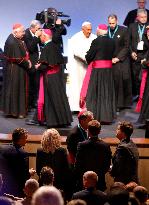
[31, 122]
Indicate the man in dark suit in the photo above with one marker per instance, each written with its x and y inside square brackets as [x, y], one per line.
[78, 134]
[120, 63]
[125, 159]
[90, 194]
[32, 41]
[138, 47]
[93, 154]
[16, 163]
[132, 15]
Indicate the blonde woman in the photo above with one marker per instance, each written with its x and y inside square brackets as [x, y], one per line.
[52, 154]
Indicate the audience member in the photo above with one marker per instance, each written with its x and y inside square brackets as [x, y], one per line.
[126, 156]
[132, 15]
[17, 163]
[15, 75]
[118, 185]
[31, 185]
[98, 93]
[78, 134]
[120, 63]
[78, 45]
[90, 194]
[118, 196]
[141, 193]
[76, 202]
[130, 186]
[52, 154]
[46, 176]
[32, 41]
[47, 195]
[93, 154]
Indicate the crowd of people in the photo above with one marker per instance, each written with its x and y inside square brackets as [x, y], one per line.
[105, 80]
[76, 172]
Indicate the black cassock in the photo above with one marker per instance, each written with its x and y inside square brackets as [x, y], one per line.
[14, 99]
[100, 98]
[56, 107]
[121, 70]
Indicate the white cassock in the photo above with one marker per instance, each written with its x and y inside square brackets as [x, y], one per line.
[78, 45]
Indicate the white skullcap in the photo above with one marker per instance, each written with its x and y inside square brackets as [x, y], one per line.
[85, 23]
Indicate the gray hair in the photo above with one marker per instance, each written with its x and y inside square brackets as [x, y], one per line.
[140, 11]
[34, 23]
[47, 195]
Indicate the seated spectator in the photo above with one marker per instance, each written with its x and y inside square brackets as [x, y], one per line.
[118, 196]
[52, 154]
[46, 176]
[77, 202]
[141, 194]
[118, 185]
[30, 187]
[130, 186]
[47, 195]
[90, 194]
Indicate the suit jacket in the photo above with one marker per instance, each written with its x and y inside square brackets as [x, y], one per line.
[134, 38]
[76, 135]
[91, 196]
[93, 154]
[131, 17]
[58, 162]
[125, 162]
[121, 39]
[16, 163]
[32, 46]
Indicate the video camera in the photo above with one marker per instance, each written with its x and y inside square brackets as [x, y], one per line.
[50, 15]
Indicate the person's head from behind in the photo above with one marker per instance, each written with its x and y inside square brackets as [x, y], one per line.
[35, 25]
[50, 140]
[46, 35]
[46, 176]
[19, 136]
[141, 4]
[118, 196]
[116, 185]
[141, 193]
[94, 128]
[18, 30]
[102, 30]
[90, 179]
[130, 186]
[31, 185]
[112, 21]
[77, 202]
[47, 195]
[87, 29]
[6, 201]
[124, 130]
[84, 118]
[142, 16]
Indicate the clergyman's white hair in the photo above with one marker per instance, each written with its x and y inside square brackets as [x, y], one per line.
[85, 23]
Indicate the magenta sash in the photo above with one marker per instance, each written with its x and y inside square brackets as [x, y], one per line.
[40, 104]
[142, 87]
[95, 64]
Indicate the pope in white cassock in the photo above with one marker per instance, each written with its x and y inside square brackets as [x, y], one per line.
[78, 45]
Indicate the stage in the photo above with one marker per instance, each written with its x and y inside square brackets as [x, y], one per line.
[7, 125]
